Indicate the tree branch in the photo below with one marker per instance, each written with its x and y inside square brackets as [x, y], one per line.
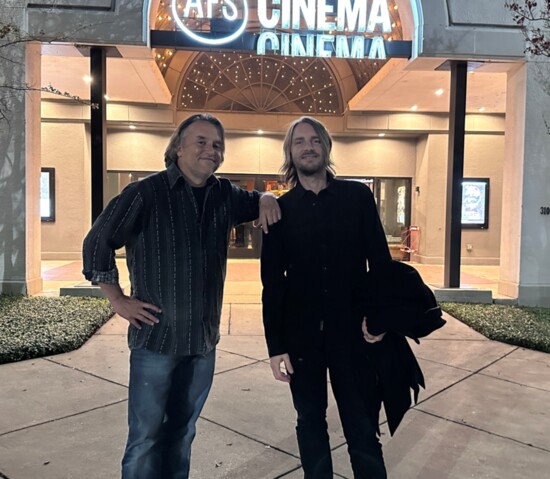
[528, 15]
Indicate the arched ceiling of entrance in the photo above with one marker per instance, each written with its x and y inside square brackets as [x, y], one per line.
[232, 81]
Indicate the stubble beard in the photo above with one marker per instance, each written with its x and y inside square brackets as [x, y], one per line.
[310, 170]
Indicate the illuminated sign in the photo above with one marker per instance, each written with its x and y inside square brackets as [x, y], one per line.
[312, 28]
[475, 203]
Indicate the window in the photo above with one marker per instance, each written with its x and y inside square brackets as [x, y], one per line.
[47, 194]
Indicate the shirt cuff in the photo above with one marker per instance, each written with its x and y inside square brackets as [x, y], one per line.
[106, 277]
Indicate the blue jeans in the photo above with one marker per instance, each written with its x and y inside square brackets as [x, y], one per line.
[165, 398]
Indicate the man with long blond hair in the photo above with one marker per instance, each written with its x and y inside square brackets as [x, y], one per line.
[314, 264]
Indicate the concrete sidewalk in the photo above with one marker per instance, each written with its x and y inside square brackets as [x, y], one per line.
[484, 413]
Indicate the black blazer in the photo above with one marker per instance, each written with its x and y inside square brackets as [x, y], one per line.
[399, 303]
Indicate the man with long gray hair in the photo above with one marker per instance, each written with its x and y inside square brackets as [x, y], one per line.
[314, 264]
[175, 226]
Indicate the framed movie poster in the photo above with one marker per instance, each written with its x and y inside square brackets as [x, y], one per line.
[47, 194]
[475, 203]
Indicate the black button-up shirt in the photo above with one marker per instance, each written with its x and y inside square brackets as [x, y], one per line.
[176, 256]
[314, 263]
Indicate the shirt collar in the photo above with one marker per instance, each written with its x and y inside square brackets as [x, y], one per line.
[331, 185]
[175, 175]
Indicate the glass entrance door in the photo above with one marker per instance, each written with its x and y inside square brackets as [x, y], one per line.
[393, 201]
[245, 240]
[393, 198]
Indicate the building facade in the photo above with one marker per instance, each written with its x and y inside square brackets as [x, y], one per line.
[389, 117]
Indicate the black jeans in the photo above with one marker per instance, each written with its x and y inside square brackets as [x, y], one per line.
[354, 386]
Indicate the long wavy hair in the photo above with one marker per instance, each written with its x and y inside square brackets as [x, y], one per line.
[171, 152]
[288, 170]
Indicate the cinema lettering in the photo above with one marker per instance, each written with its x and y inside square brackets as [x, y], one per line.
[297, 28]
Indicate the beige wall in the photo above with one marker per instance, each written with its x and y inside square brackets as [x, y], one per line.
[135, 150]
[484, 156]
[431, 171]
[262, 154]
[65, 147]
[375, 156]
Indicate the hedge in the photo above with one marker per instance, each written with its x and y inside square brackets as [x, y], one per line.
[521, 326]
[34, 326]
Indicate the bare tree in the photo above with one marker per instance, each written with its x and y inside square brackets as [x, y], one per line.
[534, 19]
[12, 37]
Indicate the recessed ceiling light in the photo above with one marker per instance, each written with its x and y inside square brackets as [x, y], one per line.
[481, 110]
[381, 135]
[260, 132]
[439, 92]
[87, 78]
[107, 97]
[414, 107]
[132, 127]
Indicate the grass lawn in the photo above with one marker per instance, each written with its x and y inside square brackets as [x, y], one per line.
[32, 326]
[521, 326]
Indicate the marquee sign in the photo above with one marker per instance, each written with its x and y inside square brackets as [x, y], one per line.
[298, 28]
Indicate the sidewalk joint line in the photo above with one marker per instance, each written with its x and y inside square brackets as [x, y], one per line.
[32, 426]
[433, 361]
[241, 355]
[473, 373]
[251, 438]
[471, 426]
[256, 361]
[514, 382]
[284, 474]
[85, 372]
[229, 320]
[479, 340]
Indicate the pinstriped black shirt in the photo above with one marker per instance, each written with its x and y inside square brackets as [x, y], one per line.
[176, 257]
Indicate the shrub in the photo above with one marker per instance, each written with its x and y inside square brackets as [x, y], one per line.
[517, 325]
[32, 326]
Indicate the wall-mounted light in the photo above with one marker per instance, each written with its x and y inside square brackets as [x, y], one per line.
[439, 92]
[414, 107]
[132, 127]
[260, 132]
[87, 78]
[381, 135]
[481, 110]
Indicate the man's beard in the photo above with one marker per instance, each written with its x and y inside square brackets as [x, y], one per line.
[310, 170]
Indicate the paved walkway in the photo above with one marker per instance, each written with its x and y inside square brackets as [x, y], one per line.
[484, 413]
